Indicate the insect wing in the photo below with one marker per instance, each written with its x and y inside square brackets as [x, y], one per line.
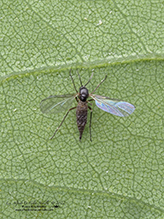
[56, 104]
[113, 106]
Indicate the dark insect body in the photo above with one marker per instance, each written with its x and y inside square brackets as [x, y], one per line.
[81, 116]
[82, 109]
[55, 104]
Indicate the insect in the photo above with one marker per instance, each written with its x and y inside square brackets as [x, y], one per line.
[58, 103]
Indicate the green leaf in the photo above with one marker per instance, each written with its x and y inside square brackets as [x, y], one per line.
[120, 173]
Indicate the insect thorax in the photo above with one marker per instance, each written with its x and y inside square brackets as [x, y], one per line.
[83, 94]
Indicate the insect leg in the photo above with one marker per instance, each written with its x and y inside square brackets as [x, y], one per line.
[79, 78]
[90, 121]
[72, 80]
[63, 120]
[77, 99]
[89, 79]
[99, 84]
[90, 100]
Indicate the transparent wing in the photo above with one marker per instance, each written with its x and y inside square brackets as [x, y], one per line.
[56, 104]
[113, 106]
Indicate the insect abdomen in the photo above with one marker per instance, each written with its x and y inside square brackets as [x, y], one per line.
[81, 116]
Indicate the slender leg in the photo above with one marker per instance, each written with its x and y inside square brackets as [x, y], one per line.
[79, 78]
[89, 80]
[63, 120]
[99, 84]
[77, 99]
[90, 121]
[90, 100]
[72, 80]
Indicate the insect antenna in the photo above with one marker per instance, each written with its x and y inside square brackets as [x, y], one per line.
[99, 84]
[89, 80]
[72, 80]
[80, 79]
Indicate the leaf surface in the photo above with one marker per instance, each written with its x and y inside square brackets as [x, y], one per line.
[120, 173]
